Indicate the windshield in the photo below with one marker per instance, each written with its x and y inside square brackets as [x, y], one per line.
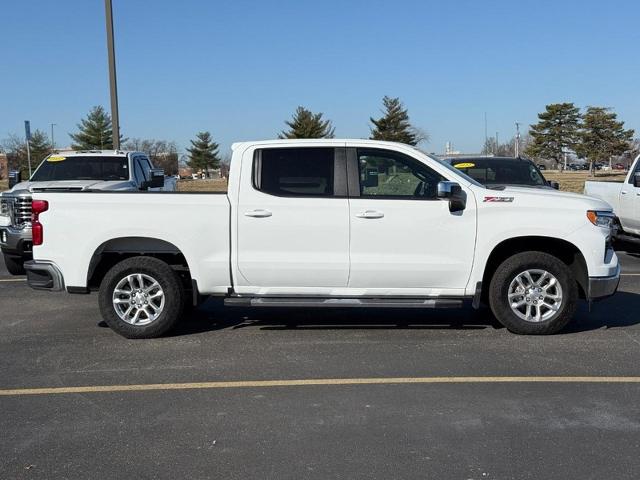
[58, 167]
[460, 173]
[500, 171]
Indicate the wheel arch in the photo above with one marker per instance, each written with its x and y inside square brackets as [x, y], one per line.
[115, 250]
[564, 250]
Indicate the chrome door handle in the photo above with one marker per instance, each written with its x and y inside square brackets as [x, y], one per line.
[370, 214]
[258, 213]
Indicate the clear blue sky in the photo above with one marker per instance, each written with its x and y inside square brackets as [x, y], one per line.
[240, 68]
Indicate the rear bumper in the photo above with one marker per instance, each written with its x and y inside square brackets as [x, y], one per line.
[43, 275]
[603, 287]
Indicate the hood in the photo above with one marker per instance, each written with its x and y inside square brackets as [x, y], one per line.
[551, 195]
[73, 185]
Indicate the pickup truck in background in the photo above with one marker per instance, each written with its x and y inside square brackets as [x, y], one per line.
[623, 197]
[328, 223]
[69, 172]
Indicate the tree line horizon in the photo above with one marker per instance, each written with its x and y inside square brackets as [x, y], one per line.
[596, 135]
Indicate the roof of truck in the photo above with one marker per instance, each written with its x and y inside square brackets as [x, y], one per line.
[328, 141]
[94, 153]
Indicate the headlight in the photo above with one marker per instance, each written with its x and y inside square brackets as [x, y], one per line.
[601, 219]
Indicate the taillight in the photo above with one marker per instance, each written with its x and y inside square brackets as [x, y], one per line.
[37, 207]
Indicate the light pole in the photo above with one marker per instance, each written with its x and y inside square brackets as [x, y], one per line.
[517, 139]
[53, 142]
[113, 88]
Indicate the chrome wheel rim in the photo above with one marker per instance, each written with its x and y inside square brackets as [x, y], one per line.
[138, 299]
[535, 295]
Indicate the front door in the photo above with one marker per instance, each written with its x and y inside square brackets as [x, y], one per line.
[293, 220]
[630, 204]
[403, 238]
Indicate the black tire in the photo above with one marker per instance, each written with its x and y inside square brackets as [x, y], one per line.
[506, 273]
[170, 284]
[14, 264]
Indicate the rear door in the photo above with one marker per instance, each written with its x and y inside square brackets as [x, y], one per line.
[292, 220]
[403, 238]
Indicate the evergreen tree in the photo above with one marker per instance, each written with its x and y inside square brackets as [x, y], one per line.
[394, 125]
[306, 124]
[15, 147]
[95, 132]
[40, 147]
[555, 133]
[603, 136]
[203, 153]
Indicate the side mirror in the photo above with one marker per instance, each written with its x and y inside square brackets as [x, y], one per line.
[15, 177]
[156, 180]
[555, 185]
[453, 192]
[636, 180]
[371, 177]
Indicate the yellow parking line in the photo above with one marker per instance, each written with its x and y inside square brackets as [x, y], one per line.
[13, 279]
[310, 382]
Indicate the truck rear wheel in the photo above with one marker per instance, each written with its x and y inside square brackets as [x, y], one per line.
[141, 297]
[14, 264]
[533, 293]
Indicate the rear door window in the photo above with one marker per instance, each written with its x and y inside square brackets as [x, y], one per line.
[299, 172]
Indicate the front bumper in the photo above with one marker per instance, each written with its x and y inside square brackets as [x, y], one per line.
[16, 241]
[603, 287]
[43, 275]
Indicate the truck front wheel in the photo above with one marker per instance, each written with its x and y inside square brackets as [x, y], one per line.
[141, 297]
[533, 293]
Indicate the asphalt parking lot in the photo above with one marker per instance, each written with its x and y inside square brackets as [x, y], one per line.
[456, 428]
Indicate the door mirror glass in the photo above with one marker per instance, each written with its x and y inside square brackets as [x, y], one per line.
[156, 179]
[370, 177]
[453, 192]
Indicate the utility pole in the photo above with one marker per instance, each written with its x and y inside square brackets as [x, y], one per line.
[485, 129]
[496, 147]
[53, 142]
[27, 136]
[115, 120]
[517, 139]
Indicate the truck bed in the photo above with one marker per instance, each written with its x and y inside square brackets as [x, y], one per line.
[195, 224]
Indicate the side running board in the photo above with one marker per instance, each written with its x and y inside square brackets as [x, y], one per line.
[343, 302]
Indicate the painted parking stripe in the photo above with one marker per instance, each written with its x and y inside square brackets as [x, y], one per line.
[13, 279]
[310, 382]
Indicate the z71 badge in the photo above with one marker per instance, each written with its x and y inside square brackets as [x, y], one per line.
[498, 199]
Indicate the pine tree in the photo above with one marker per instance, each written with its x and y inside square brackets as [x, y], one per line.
[555, 133]
[40, 147]
[394, 125]
[602, 135]
[306, 124]
[203, 153]
[95, 131]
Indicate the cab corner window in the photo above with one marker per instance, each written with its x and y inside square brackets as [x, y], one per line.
[298, 172]
[387, 174]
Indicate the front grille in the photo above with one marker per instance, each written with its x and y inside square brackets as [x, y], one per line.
[21, 211]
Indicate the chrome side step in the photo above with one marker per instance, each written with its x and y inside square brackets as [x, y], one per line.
[343, 302]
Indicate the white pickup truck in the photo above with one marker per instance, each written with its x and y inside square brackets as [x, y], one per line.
[70, 171]
[623, 197]
[328, 223]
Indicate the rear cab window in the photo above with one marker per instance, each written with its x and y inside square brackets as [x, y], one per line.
[298, 172]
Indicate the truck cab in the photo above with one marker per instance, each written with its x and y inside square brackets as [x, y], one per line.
[93, 170]
[623, 197]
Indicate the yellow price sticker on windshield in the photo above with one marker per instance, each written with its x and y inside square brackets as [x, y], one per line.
[465, 165]
[56, 158]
